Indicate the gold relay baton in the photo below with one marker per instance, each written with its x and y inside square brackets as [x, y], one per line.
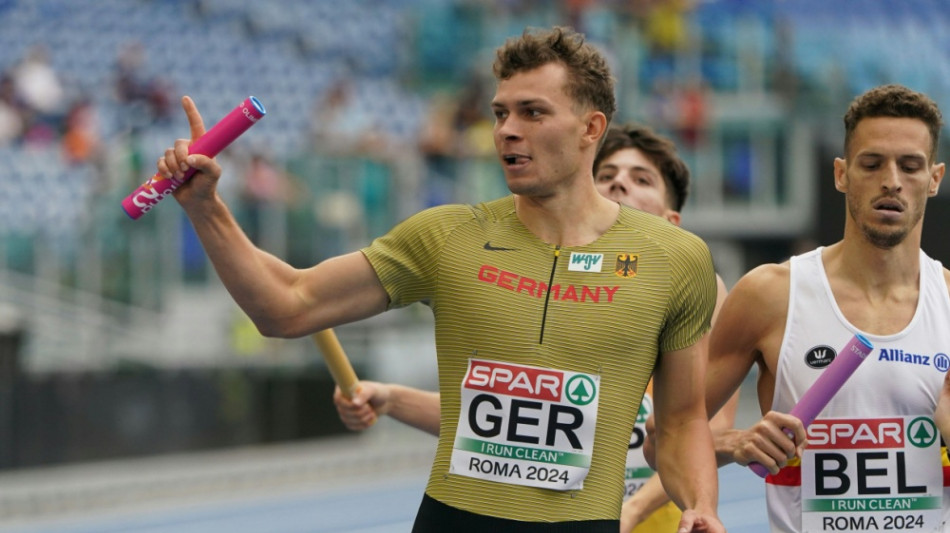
[340, 367]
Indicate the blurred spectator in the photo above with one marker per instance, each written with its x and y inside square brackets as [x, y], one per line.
[341, 125]
[11, 112]
[662, 111]
[38, 85]
[457, 129]
[144, 99]
[266, 190]
[80, 140]
[785, 80]
[473, 122]
[438, 146]
[692, 113]
[665, 26]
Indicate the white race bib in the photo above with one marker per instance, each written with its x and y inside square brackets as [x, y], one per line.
[879, 474]
[526, 425]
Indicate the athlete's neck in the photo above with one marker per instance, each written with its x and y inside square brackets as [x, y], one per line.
[567, 220]
[877, 289]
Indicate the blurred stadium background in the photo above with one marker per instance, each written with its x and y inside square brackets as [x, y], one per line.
[117, 340]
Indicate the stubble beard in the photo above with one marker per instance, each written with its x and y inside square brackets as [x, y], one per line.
[886, 237]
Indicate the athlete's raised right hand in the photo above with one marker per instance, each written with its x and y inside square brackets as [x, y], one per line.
[177, 161]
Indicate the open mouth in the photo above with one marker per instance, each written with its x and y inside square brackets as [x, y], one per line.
[889, 205]
[515, 159]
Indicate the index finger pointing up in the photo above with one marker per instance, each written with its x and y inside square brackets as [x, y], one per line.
[194, 117]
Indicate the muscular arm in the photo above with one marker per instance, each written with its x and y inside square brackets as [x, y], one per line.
[651, 496]
[283, 301]
[749, 331]
[684, 446]
[725, 417]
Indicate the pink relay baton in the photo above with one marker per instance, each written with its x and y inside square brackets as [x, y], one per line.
[826, 386]
[242, 117]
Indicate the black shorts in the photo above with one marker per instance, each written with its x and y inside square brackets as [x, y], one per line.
[437, 517]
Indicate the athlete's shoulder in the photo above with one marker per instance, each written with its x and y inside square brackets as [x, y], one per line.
[936, 265]
[767, 282]
[654, 227]
[460, 213]
[495, 210]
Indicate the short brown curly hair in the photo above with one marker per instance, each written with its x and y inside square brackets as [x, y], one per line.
[894, 101]
[589, 80]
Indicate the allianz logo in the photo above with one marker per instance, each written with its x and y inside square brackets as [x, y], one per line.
[940, 361]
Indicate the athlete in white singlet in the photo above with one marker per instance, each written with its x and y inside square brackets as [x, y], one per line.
[874, 459]
[871, 461]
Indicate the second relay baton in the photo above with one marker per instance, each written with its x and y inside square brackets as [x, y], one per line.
[340, 367]
[229, 128]
[826, 386]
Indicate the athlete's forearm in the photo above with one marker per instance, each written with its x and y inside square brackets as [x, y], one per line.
[257, 281]
[417, 408]
[725, 442]
[643, 503]
[687, 465]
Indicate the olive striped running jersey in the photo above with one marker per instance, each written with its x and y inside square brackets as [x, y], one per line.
[498, 293]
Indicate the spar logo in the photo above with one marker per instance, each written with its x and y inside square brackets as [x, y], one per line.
[581, 390]
[864, 434]
[524, 382]
[922, 432]
[858, 434]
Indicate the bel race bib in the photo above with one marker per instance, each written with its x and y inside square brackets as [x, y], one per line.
[878, 474]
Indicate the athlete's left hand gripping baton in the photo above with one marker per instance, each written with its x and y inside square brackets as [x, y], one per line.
[825, 387]
[242, 117]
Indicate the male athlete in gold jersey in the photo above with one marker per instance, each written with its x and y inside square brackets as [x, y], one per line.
[635, 167]
[540, 382]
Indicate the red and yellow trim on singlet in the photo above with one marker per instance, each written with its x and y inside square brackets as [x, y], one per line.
[791, 474]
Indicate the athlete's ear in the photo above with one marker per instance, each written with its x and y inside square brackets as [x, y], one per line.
[841, 174]
[596, 127]
[673, 216]
[936, 176]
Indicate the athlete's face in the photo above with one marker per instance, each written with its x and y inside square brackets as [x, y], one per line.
[628, 177]
[538, 131]
[887, 178]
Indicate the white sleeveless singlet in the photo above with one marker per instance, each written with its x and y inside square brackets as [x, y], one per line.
[874, 460]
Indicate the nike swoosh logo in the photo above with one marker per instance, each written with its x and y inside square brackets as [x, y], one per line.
[491, 248]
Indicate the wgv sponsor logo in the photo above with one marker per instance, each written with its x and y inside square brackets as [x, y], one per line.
[585, 262]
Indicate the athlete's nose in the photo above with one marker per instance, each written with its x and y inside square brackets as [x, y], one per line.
[891, 181]
[616, 184]
[508, 129]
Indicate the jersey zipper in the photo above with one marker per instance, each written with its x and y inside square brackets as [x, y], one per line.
[547, 295]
